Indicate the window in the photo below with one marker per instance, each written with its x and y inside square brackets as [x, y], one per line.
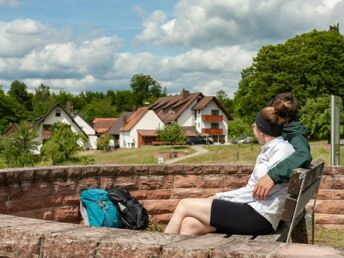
[214, 125]
[215, 112]
[58, 113]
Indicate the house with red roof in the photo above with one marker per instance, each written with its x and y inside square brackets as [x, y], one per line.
[140, 128]
[103, 125]
[195, 113]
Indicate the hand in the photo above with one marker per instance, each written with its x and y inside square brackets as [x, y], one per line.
[263, 187]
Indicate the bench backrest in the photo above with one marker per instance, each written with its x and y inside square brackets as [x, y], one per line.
[303, 186]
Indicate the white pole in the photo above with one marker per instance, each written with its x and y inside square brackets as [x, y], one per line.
[335, 137]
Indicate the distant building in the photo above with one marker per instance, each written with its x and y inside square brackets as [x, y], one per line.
[140, 129]
[195, 113]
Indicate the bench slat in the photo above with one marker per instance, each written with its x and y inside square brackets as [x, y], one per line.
[290, 202]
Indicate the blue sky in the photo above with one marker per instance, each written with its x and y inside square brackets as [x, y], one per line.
[199, 45]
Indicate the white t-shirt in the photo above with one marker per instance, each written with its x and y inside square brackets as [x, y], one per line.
[271, 154]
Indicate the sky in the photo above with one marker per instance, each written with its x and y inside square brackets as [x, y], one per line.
[197, 45]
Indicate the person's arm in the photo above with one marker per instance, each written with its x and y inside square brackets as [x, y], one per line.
[282, 171]
[300, 158]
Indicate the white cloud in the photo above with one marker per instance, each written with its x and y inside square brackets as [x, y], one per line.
[209, 23]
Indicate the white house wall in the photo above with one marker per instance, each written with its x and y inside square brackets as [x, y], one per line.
[187, 117]
[64, 118]
[89, 131]
[149, 121]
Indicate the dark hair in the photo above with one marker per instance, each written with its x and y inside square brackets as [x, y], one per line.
[286, 105]
[270, 122]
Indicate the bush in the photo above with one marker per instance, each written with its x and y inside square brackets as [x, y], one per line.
[103, 142]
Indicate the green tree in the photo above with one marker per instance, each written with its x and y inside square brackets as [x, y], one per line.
[103, 141]
[144, 88]
[43, 100]
[238, 128]
[18, 91]
[226, 102]
[308, 65]
[316, 117]
[18, 150]
[171, 133]
[63, 144]
[98, 108]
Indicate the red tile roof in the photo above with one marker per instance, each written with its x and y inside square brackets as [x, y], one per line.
[148, 132]
[134, 118]
[171, 107]
[102, 125]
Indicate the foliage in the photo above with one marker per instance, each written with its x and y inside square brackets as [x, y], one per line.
[144, 88]
[238, 128]
[316, 117]
[63, 144]
[308, 65]
[17, 150]
[43, 100]
[226, 102]
[172, 133]
[103, 141]
[98, 108]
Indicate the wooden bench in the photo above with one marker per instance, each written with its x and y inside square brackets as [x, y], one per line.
[303, 186]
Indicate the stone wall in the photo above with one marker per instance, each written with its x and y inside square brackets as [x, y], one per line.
[26, 237]
[52, 193]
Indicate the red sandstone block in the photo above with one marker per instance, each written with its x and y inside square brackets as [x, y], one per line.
[106, 182]
[82, 242]
[32, 203]
[130, 182]
[330, 206]
[181, 193]
[210, 181]
[246, 249]
[160, 206]
[193, 247]
[210, 192]
[137, 244]
[323, 184]
[125, 170]
[160, 218]
[159, 194]
[42, 214]
[183, 181]
[71, 200]
[228, 169]
[89, 171]
[64, 187]
[329, 219]
[335, 182]
[235, 181]
[155, 182]
[324, 194]
[338, 195]
[139, 194]
[87, 183]
[67, 214]
[29, 190]
[245, 169]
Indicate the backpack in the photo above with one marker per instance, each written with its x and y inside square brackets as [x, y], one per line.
[97, 210]
[132, 213]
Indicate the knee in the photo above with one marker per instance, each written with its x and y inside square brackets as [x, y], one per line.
[189, 226]
[183, 204]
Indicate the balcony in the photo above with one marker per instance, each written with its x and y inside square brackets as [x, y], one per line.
[212, 131]
[212, 118]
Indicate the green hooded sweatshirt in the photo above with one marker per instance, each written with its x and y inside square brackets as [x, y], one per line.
[296, 135]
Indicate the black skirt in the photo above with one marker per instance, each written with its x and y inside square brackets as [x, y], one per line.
[238, 218]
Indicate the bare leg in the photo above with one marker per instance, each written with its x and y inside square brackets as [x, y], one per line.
[192, 226]
[198, 208]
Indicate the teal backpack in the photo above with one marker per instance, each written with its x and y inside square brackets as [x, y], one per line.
[97, 210]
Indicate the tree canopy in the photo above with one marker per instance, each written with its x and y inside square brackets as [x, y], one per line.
[171, 133]
[308, 65]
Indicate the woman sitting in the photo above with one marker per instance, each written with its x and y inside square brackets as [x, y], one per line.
[237, 211]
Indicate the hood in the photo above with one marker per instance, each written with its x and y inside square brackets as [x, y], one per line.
[294, 128]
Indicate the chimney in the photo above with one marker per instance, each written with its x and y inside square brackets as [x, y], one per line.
[185, 93]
